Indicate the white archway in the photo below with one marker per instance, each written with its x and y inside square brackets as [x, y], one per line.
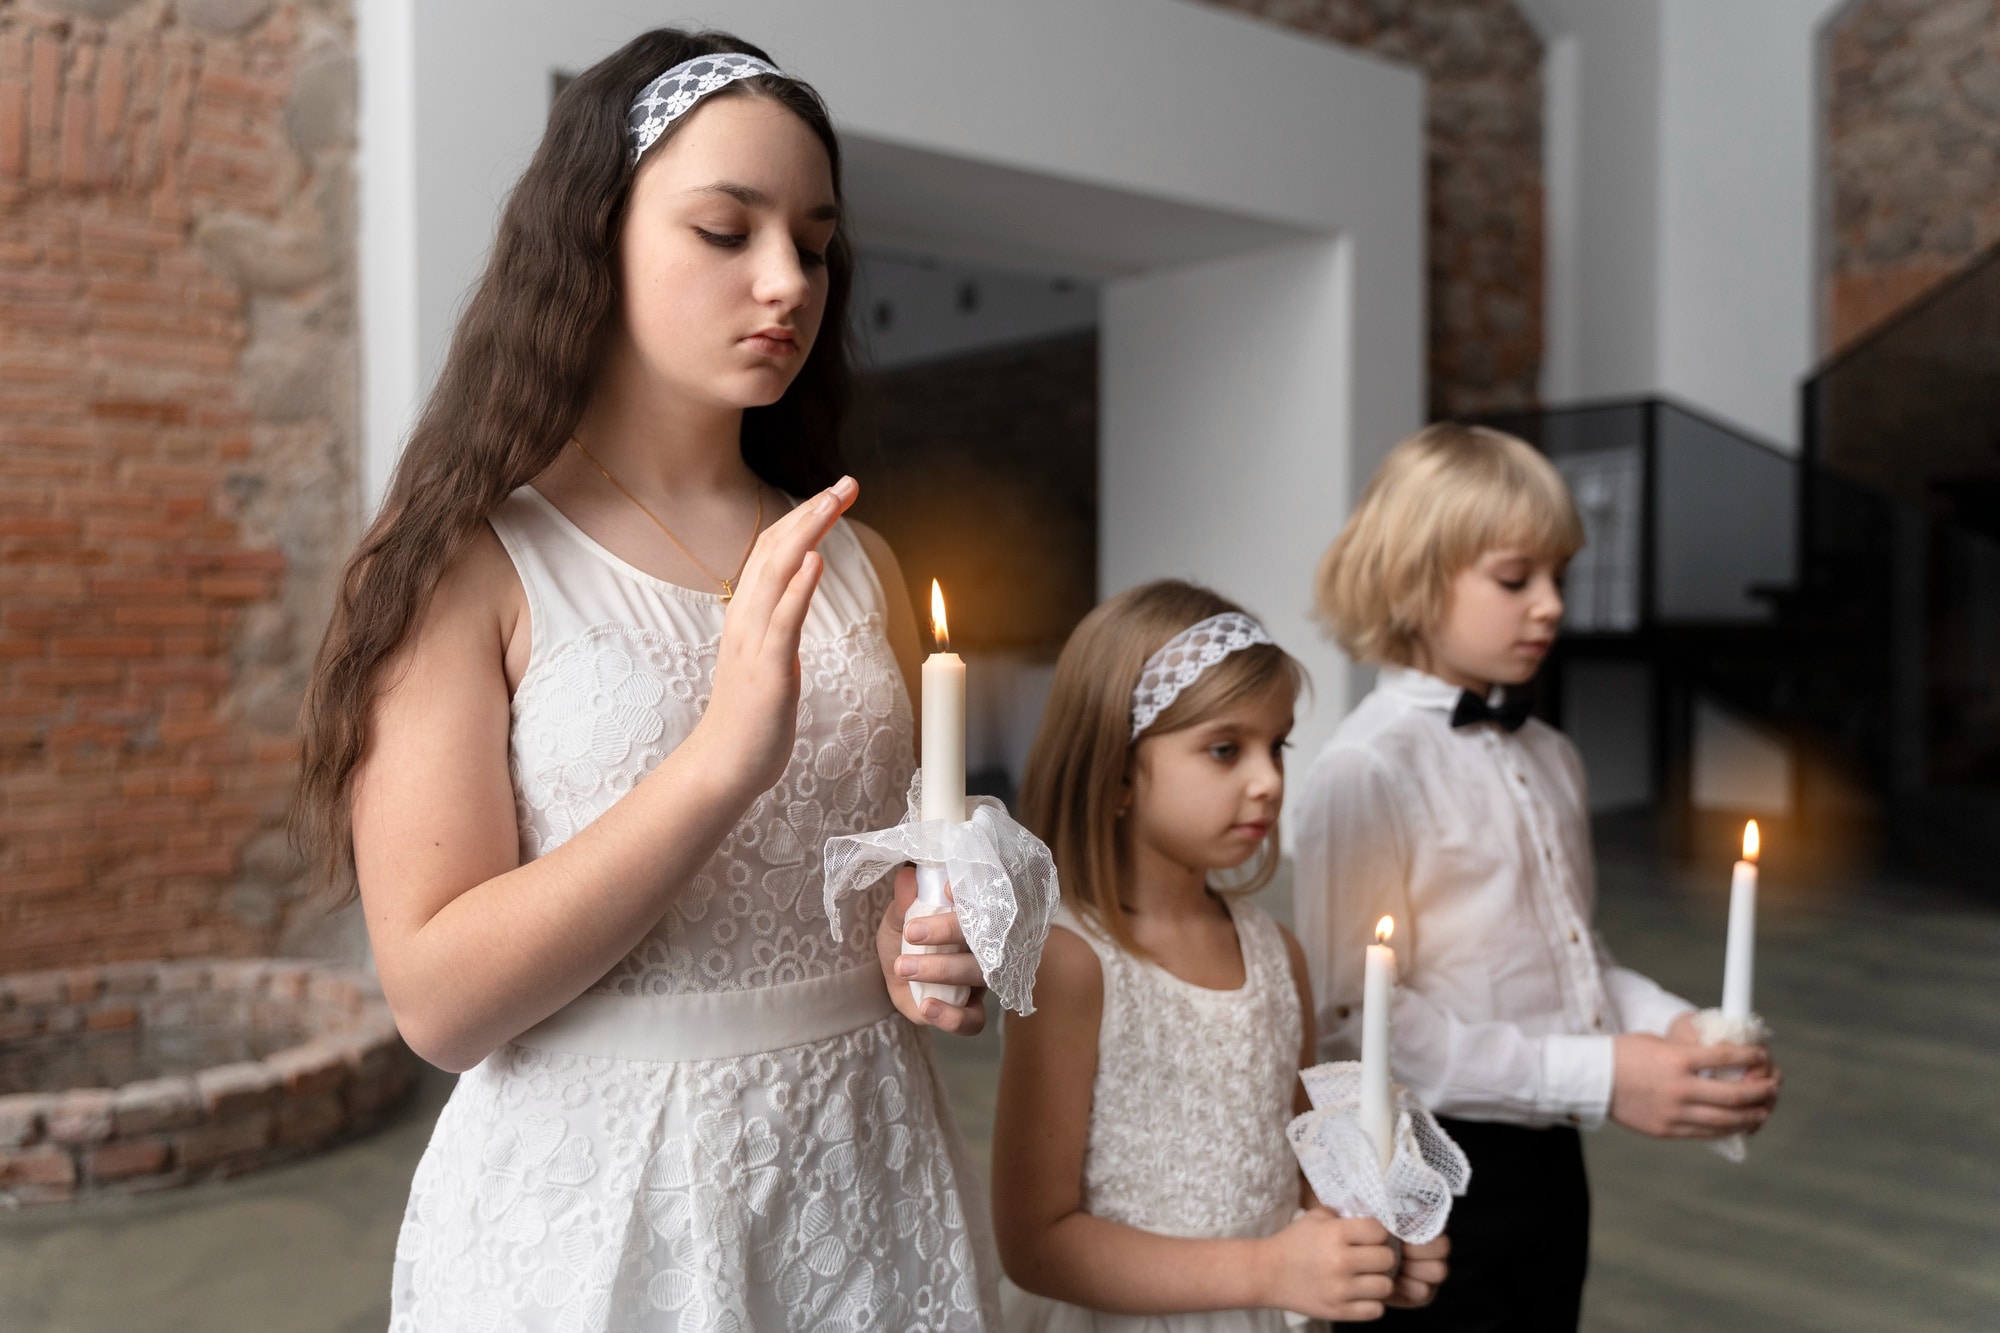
[1253, 201]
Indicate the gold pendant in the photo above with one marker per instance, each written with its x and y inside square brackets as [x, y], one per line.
[727, 592]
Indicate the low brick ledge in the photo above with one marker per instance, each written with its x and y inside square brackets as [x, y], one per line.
[351, 1070]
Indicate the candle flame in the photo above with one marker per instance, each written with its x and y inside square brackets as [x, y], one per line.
[1751, 842]
[1384, 929]
[939, 630]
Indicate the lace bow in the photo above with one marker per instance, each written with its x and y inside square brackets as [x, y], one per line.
[1003, 884]
[1412, 1198]
[1715, 1027]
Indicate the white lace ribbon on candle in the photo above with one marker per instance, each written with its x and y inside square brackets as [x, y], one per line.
[1715, 1028]
[1412, 1198]
[1003, 884]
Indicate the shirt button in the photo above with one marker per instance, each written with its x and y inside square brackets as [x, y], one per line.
[1342, 1012]
[1521, 778]
[1574, 938]
[1597, 1020]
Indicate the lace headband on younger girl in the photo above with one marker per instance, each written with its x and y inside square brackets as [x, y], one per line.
[1184, 657]
[672, 95]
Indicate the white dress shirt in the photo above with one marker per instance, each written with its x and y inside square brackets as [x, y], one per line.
[1477, 842]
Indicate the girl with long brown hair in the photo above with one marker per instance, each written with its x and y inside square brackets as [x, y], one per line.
[1142, 1177]
[595, 694]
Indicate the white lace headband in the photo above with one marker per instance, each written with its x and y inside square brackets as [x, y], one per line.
[1180, 663]
[672, 95]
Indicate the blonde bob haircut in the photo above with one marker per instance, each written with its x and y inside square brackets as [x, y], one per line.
[1441, 499]
[1084, 753]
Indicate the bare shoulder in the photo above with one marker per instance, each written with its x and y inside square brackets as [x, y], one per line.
[1070, 970]
[1295, 953]
[874, 543]
[475, 614]
[900, 621]
[1069, 997]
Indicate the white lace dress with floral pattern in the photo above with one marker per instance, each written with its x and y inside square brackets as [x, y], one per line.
[1187, 1117]
[816, 1186]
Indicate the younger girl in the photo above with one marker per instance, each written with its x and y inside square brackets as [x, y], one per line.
[1140, 1164]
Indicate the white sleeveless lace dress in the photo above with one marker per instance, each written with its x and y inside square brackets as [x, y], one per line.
[733, 1129]
[1187, 1117]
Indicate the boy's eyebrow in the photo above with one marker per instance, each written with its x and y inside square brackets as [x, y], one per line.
[751, 197]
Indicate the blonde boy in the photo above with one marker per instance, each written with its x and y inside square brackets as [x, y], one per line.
[1441, 803]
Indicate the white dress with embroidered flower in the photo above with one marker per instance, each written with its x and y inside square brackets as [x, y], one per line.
[732, 1129]
[1187, 1117]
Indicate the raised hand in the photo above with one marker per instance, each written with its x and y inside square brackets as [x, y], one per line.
[752, 714]
[1657, 1088]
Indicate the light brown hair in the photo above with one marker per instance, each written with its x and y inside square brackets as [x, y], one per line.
[1083, 754]
[1441, 499]
[514, 383]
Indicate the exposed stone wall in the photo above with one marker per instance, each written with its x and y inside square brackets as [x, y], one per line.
[1482, 64]
[326, 1064]
[177, 418]
[1912, 154]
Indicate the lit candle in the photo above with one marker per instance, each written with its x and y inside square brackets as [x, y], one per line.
[944, 722]
[944, 780]
[1740, 961]
[1378, 986]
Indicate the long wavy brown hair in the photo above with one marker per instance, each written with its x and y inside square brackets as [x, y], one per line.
[1082, 756]
[514, 384]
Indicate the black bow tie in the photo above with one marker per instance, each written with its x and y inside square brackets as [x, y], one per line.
[1510, 714]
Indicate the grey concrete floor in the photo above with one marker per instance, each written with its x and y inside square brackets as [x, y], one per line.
[1871, 1202]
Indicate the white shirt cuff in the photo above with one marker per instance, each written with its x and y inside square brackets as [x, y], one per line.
[1576, 1079]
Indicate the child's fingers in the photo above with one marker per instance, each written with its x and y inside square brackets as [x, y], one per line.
[941, 969]
[1357, 1312]
[940, 929]
[1364, 1232]
[1373, 1261]
[967, 1020]
[775, 556]
[1725, 1055]
[1728, 1092]
[1712, 1122]
[788, 618]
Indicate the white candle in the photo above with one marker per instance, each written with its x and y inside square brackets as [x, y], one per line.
[944, 723]
[1377, 994]
[1740, 960]
[944, 780]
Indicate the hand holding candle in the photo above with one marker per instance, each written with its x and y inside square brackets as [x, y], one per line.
[944, 780]
[1377, 1114]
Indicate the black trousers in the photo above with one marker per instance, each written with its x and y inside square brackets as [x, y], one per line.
[1520, 1238]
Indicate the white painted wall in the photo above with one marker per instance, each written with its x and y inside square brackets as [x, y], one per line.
[1738, 322]
[1681, 157]
[1126, 137]
[1604, 170]
[1221, 381]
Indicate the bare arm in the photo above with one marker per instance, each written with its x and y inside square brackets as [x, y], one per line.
[475, 947]
[1319, 1265]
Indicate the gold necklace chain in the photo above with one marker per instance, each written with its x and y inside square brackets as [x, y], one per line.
[728, 584]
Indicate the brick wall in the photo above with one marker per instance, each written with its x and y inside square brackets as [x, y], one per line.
[1912, 153]
[177, 406]
[1482, 65]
